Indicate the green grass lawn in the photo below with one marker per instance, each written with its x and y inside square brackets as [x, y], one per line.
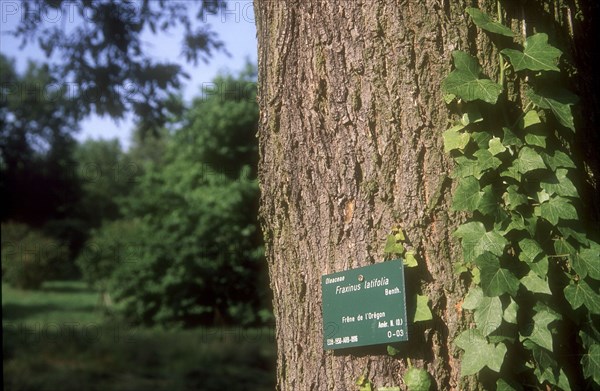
[58, 339]
[57, 302]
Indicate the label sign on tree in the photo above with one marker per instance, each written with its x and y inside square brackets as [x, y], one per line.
[364, 306]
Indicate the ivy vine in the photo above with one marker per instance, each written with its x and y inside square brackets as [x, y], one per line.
[534, 269]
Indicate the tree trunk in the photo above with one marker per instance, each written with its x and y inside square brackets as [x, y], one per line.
[351, 116]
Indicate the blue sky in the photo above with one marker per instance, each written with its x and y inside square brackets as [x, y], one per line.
[235, 26]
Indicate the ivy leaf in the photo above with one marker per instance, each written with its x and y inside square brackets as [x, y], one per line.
[399, 234]
[517, 223]
[509, 138]
[532, 254]
[531, 224]
[557, 159]
[485, 161]
[393, 247]
[591, 363]
[581, 293]
[364, 384]
[530, 250]
[557, 208]
[534, 137]
[495, 280]
[529, 119]
[535, 284]
[557, 100]
[475, 356]
[470, 232]
[496, 357]
[575, 231]
[562, 247]
[465, 83]
[472, 116]
[478, 353]
[545, 364]
[559, 184]
[473, 298]
[482, 139]
[540, 267]
[529, 160]
[409, 259]
[467, 195]
[416, 379]
[488, 24]
[448, 98]
[491, 241]
[465, 167]
[392, 350]
[510, 313]
[488, 315]
[503, 385]
[495, 146]
[476, 240]
[422, 311]
[590, 257]
[489, 205]
[453, 139]
[574, 294]
[537, 55]
[513, 198]
[563, 381]
[512, 171]
[540, 333]
[542, 196]
[468, 337]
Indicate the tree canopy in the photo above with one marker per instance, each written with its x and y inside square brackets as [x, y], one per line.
[102, 59]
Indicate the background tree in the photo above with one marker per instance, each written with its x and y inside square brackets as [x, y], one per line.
[36, 144]
[201, 257]
[350, 139]
[107, 175]
[29, 257]
[103, 55]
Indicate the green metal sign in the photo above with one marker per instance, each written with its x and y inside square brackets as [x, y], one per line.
[364, 306]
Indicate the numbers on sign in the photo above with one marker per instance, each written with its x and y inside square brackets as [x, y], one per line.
[398, 333]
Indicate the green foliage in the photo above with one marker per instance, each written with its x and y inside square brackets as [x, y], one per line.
[422, 311]
[537, 55]
[479, 352]
[106, 175]
[102, 51]
[364, 384]
[466, 83]
[36, 146]
[417, 379]
[202, 258]
[394, 246]
[110, 247]
[486, 23]
[535, 270]
[28, 256]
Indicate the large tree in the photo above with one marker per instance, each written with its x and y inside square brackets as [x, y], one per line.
[352, 113]
[102, 59]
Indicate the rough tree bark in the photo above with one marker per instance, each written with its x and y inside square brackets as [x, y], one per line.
[350, 126]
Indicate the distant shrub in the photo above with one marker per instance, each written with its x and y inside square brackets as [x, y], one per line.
[111, 246]
[28, 256]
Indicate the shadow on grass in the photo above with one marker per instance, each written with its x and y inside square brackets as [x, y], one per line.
[66, 289]
[116, 357]
[12, 312]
